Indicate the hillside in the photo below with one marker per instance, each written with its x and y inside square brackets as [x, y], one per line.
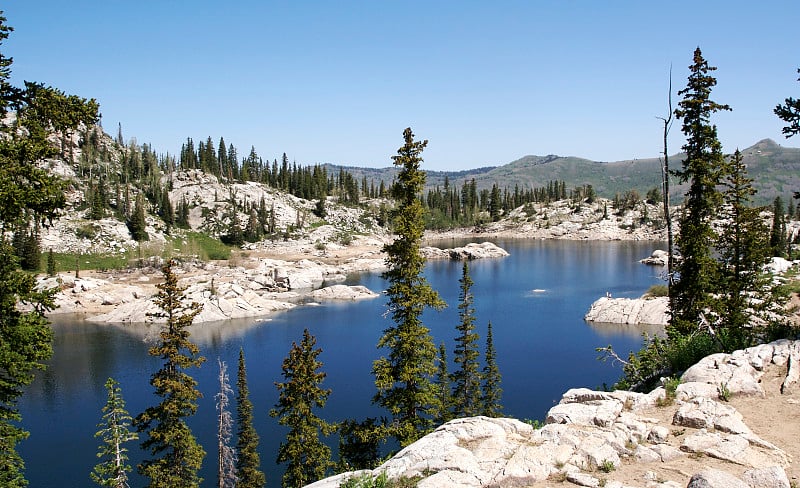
[774, 168]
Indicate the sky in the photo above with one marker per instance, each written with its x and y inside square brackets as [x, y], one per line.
[486, 82]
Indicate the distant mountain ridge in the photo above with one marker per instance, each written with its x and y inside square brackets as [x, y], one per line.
[775, 170]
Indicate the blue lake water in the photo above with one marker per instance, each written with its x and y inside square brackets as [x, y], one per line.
[535, 299]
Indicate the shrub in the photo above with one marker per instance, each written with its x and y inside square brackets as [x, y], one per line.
[657, 291]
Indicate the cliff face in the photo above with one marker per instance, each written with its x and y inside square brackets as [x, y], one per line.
[732, 422]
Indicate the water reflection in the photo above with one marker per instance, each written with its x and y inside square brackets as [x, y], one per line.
[604, 329]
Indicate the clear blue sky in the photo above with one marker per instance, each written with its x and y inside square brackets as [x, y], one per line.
[337, 81]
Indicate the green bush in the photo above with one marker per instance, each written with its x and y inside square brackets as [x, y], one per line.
[657, 291]
[88, 231]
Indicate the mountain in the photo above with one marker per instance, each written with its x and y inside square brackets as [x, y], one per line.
[775, 170]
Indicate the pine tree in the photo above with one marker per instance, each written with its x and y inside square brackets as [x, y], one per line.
[226, 454]
[467, 378]
[137, 223]
[248, 464]
[252, 232]
[300, 395]
[51, 263]
[33, 194]
[182, 217]
[404, 378]
[444, 399]
[98, 210]
[167, 210]
[113, 470]
[177, 455]
[789, 112]
[492, 392]
[745, 297]
[703, 167]
[777, 235]
[494, 203]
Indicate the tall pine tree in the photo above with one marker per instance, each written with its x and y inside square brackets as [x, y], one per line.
[444, 399]
[113, 470]
[467, 377]
[404, 378]
[177, 456]
[745, 295]
[492, 392]
[30, 194]
[248, 464]
[703, 167]
[300, 395]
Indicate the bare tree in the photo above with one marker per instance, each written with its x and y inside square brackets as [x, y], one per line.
[226, 474]
[665, 182]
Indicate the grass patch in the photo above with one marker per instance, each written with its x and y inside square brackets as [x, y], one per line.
[68, 262]
[203, 246]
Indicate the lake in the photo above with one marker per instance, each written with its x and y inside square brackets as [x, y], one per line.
[535, 299]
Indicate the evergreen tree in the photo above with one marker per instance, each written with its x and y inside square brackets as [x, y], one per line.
[98, 210]
[30, 258]
[300, 395]
[777, 235]
[51, 263]
[177, 455]
[182, 217]
[226, 454]
[467, 378]
[703, 167]
[745, 297]
[492, 392]
[137, 223]
[444, 399]
[113, 470]
[167, 211]
[358, 444]
[30, 194]
[404, 378]
[248, 464]
[494, 203]
[252, 232]
[789, 112]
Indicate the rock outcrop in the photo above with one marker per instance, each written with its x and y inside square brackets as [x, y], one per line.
[630, 311]
[657, 258]
[473, 250]
[343, 292]
[614, 439]
[257, 288]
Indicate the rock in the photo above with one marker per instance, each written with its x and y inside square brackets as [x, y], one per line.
[601, 413]
[470, 251]
[583, 479]
[657, 258]
[629, 311]
[704, 413]
[771, 477]
[735, 373]
[714, 478]
[343, 292]
[694, 389]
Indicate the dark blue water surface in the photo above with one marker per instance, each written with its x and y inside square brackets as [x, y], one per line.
[535, 299]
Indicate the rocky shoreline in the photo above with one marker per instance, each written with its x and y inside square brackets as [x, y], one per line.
[256, 286]
[716, 430]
